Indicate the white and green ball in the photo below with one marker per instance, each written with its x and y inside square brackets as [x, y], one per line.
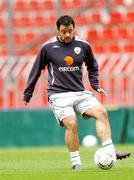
[104, 159]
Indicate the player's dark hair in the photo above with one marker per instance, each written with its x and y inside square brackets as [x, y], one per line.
[65, 20]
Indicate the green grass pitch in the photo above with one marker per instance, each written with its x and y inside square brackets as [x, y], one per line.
[53, 163]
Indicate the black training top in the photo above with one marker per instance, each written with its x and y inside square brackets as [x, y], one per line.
[64, 67]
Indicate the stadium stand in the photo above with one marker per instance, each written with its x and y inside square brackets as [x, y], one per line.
[107, 25]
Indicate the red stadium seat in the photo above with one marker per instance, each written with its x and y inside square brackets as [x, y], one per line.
[20, 6]
[128, 48]
[108, 33]
[130, 17]
[51, 20]
[116, 17]
[29, 36]
[116, 2]
[19, 38]
[43, 21]
[3, 38]
[113, 48]
[48, 4]
[81, 19]
[95, 17]
[23, 21]
[95, 4]
[2, 22]
[2, 84]
[99, 49]
[33, 51]
[122, 33]
[21, 83]
[77, 3]
[4, 52]
[34, 5]
[2, 6]
[11, 98]
[39, 21]
[65, 4]
[92, 35]
[1, 101]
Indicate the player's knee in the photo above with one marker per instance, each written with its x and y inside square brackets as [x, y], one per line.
[72, 124]
[102, 113]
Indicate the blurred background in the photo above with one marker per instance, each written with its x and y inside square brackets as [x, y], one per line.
[108, 25]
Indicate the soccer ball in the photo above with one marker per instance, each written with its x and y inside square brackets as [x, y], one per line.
[89, 140]
[104, 159]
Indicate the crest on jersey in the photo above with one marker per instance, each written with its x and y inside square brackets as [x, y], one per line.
[69, 60]
[77, 50]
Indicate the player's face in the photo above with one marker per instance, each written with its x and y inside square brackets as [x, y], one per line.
[66, 33]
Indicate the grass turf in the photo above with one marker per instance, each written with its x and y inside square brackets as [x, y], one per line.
[53, 163]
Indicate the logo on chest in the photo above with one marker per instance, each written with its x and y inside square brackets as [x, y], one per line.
[69, 68]
[69, 60]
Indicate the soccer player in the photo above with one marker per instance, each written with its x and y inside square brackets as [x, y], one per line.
[64, 56]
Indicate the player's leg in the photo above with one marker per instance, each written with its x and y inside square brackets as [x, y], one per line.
[65, 115]
[99, 113]
[71, 134]
[103, 128]
[88, 106]
[72, 141]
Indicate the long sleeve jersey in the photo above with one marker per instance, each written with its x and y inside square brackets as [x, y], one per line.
[64, 63]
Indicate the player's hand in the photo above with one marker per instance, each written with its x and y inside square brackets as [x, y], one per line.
[100, 90]
[25, 102]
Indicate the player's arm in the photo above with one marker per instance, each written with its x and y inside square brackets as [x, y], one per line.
[93, 70]
[38, 66]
